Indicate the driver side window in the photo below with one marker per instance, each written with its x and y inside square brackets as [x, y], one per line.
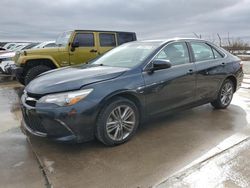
[176, 53]
[85, 39]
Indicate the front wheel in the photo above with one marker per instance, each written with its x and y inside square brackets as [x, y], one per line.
[225, 95]
[117, 122]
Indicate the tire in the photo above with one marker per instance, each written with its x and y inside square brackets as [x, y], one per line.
[21, 80]
[106, 120]
[225, 95]
[34, 72]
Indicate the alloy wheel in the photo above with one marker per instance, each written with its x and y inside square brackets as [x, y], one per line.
[226, 93]
[121, 122]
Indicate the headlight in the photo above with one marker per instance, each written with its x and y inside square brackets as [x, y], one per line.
[66, 99]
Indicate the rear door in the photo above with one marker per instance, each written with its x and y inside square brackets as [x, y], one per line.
[87, 49]
[210, 66]
[106, 41]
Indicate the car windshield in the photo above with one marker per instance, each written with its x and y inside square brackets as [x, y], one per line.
[63, 39]
[127, 55]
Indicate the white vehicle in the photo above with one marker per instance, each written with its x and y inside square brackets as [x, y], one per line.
[6, 59]
[4, 65]
[9, 45]
[47, 44]
[3, 50]
[18, 46]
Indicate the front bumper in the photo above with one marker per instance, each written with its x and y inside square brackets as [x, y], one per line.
[27, 130]
[63, 124]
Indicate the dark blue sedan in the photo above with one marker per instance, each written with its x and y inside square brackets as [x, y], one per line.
[109, 97]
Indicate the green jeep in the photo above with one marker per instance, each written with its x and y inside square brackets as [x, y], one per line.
[73, 47]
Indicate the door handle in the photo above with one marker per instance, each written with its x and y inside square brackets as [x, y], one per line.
[190, 71]
[93, 50]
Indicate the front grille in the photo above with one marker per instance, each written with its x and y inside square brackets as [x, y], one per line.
[51, 127]
[31, 99]
[33, 121]
[35, 96]
[55, 128]
[30, 102]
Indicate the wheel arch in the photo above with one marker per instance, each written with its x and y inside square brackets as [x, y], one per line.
[234, 80]
[30, 63]
[130, 95]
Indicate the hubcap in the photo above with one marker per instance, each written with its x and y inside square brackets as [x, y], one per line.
[120, 123]
[226, 94]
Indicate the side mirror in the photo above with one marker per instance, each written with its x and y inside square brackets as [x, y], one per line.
[75, 44]
[159, 64]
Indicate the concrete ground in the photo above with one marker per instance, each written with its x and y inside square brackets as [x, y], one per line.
[228, 169]
[161, 151]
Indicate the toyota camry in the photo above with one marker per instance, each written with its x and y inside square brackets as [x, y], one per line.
[110, 96]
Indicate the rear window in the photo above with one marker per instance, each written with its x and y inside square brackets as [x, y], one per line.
[202, 51]
[107, 39]
[125, 37]
[217, 55]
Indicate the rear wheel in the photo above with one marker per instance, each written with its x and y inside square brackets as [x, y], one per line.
[225, 95]
[117, 122]
[34, 72]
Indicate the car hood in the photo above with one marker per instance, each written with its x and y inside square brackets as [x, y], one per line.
[40, 51]
[71, 78]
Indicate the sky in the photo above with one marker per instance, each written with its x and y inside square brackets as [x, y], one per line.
[40, 20]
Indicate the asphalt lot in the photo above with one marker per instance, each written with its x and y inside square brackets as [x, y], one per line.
[160, 148]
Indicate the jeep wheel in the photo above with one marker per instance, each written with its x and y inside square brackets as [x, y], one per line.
[34, 72]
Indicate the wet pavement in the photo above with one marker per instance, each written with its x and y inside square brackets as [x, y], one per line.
[18, 164]
[229, 169]
[160, 148]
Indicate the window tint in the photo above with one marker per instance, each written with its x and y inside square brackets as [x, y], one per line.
[107, 39]
[202, 51]
[217, 55]
[85, 39]
[125, 37]
[176, 53]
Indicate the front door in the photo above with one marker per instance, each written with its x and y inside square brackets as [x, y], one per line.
[86, 50]
[173, 87]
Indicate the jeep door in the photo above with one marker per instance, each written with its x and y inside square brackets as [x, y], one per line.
[173, 87]
[83, 48]
[106, 41]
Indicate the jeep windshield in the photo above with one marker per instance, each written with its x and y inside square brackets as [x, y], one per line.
[127, 55]
[63, 39]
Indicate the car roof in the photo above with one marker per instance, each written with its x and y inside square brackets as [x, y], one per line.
[79, 30]
[174, 39]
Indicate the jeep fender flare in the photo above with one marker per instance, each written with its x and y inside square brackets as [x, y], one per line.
[40, 59]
